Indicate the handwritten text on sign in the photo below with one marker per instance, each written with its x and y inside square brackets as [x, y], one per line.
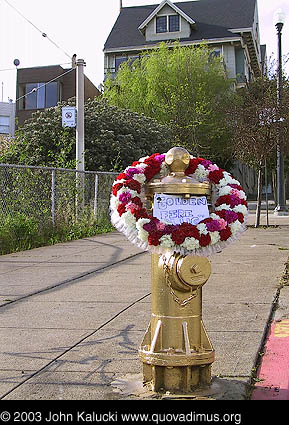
[176, 209]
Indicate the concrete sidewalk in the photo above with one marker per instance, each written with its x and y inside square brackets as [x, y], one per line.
[74, 314]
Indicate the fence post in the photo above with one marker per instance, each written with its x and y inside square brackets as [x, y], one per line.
[53, 197]
[95, 196]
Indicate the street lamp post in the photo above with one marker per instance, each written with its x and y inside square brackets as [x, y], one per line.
[279, 19]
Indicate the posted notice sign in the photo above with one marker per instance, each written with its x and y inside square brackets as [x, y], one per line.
[68, 116]
[175, 209]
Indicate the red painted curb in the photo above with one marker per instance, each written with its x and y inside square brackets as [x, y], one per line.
[274, 369]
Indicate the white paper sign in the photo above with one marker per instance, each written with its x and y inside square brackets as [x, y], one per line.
[68, 116]
[176, 209]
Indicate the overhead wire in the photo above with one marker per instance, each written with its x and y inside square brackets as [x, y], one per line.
[38, 29]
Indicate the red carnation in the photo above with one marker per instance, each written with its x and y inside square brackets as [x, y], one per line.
[136, 200]
[221, 214]
[190, 230]
[151, 171]
[240, 217]
[116, 187]
[194, 162]
[216, 175]
[121, 176]
[152, 162]
[178, 236]
[138, 212]
[135, 163]
[205, 240]
[225, 234]
[121, 209]
[226, 199]
[154, 238]
[133, 185]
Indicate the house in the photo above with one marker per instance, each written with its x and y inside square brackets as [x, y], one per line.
[230, 28]
[43, 87]
[7, 119]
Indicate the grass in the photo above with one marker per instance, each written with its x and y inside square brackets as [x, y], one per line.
[19, 232]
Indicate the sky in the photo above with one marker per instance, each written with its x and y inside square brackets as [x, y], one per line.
[82, 27]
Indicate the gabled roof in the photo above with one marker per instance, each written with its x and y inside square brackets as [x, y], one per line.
[160, 6]
[213, 19]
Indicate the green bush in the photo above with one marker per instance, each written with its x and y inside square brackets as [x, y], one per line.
[114, 138]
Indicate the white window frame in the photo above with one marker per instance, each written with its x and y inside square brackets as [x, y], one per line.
[167, 31]
[3, 125]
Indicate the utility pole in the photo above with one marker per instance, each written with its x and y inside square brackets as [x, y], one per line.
[281, 209]
[80, 64]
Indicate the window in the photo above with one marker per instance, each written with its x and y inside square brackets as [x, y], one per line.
[170, 23]
[174, 23]
[51, 97]
[4, 124]
[40, 96]
[119, 60]
[161, 24]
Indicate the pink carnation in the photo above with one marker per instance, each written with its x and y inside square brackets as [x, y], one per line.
[222, 224]
[131, 171]
[213, 167]
[236, 193]
[160, 158]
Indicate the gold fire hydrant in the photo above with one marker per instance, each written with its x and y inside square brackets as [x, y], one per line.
[176, 351]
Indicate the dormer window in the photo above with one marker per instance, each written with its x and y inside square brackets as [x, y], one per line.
[170, 23]
[174, 23]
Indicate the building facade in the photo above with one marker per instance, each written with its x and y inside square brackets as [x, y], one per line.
[7, 119]
[231, 29]
[43, 87]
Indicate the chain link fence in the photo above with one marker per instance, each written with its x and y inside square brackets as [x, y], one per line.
[54, 195]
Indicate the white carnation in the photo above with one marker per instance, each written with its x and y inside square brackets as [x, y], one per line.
[202, 228]
[227, 180]
[129, 219]
[240, 209]
[235, 227]
[225, 191]
[223, 207]
[215, 216]
[143, 235]
[190, 244]
[114, 202]
[141, 178]
[166, 241]
[201, 173]
[119, 181]
[215, 237]
[141, 166]
[243, 194]
[140, 223]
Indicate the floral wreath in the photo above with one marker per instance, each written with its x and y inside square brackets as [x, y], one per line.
[210, 236]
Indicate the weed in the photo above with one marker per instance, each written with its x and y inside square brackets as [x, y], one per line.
[19, 232]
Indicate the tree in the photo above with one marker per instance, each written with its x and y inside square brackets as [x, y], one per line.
[113, 139]
[184, 87]
[254, 119]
